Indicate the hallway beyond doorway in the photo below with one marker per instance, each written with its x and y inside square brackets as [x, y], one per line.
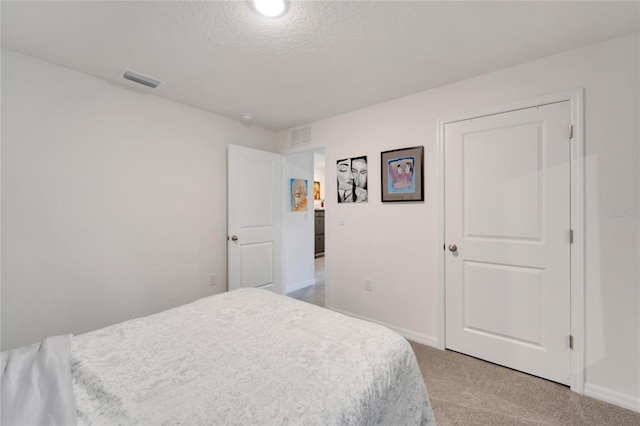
[314, 293]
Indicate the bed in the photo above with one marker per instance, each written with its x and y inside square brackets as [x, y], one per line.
[246, 357]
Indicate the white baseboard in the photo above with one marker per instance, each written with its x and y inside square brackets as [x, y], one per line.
[407, 334]
[612, 397]
[299, 286]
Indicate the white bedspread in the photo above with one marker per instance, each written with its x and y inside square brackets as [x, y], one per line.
[247, 357]
[36, 384]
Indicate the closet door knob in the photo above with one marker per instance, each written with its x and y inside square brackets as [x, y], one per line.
[453, 248]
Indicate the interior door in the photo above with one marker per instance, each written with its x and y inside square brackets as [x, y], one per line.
[254, 219]
[507, 206]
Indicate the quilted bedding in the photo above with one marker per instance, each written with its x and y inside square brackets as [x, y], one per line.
[246, 357]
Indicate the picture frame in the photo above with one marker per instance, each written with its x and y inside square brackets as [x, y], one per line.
[298, 194]
[352, 180]
[402, 174]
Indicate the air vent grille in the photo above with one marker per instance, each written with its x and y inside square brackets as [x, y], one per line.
[141, 78]
[301, 136]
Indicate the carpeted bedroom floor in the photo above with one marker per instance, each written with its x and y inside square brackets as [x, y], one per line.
[467, 391]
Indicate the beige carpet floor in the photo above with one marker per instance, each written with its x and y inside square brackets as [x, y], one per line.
[467, 391]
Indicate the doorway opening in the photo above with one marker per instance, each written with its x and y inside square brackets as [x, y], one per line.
[315, 292]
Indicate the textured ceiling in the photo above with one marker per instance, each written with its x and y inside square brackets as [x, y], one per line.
[323, 58]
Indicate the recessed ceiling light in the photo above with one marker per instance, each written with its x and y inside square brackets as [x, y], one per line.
[246, 119]
[270, 8]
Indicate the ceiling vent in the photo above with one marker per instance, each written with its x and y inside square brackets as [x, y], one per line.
[301, 136]
[136, 77]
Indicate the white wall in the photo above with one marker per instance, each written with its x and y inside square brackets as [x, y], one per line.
[405, 282]
[298, 226]
[113, 202]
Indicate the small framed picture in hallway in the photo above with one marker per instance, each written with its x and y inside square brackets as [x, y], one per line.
[299, 195]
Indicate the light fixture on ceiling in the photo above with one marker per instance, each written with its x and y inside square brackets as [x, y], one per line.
[246, 119]
[270, 8]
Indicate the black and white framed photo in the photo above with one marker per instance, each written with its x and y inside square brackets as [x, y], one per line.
[352, 176]
[402, 174]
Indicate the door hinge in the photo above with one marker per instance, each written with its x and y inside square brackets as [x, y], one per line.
[570, 236]
[570, 131]
[570, 342]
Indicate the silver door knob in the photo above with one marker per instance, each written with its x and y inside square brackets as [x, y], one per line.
[234, 238]
[453, 248]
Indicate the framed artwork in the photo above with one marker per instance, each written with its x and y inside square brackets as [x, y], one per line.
[299, 195]
[352, 180]
[316, 190]
[402, 174]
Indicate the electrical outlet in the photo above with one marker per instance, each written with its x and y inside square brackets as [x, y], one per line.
[213, 279]
[368, 284]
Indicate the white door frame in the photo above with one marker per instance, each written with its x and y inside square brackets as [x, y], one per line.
[576, 99]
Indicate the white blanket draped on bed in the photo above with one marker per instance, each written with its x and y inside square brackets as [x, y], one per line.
[36, 384]
[247, 357]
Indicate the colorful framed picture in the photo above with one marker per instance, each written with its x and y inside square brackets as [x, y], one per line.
[402, 174]
[299, 195]
[316, 190]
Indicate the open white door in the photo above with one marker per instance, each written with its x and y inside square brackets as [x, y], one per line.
[254, 219]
